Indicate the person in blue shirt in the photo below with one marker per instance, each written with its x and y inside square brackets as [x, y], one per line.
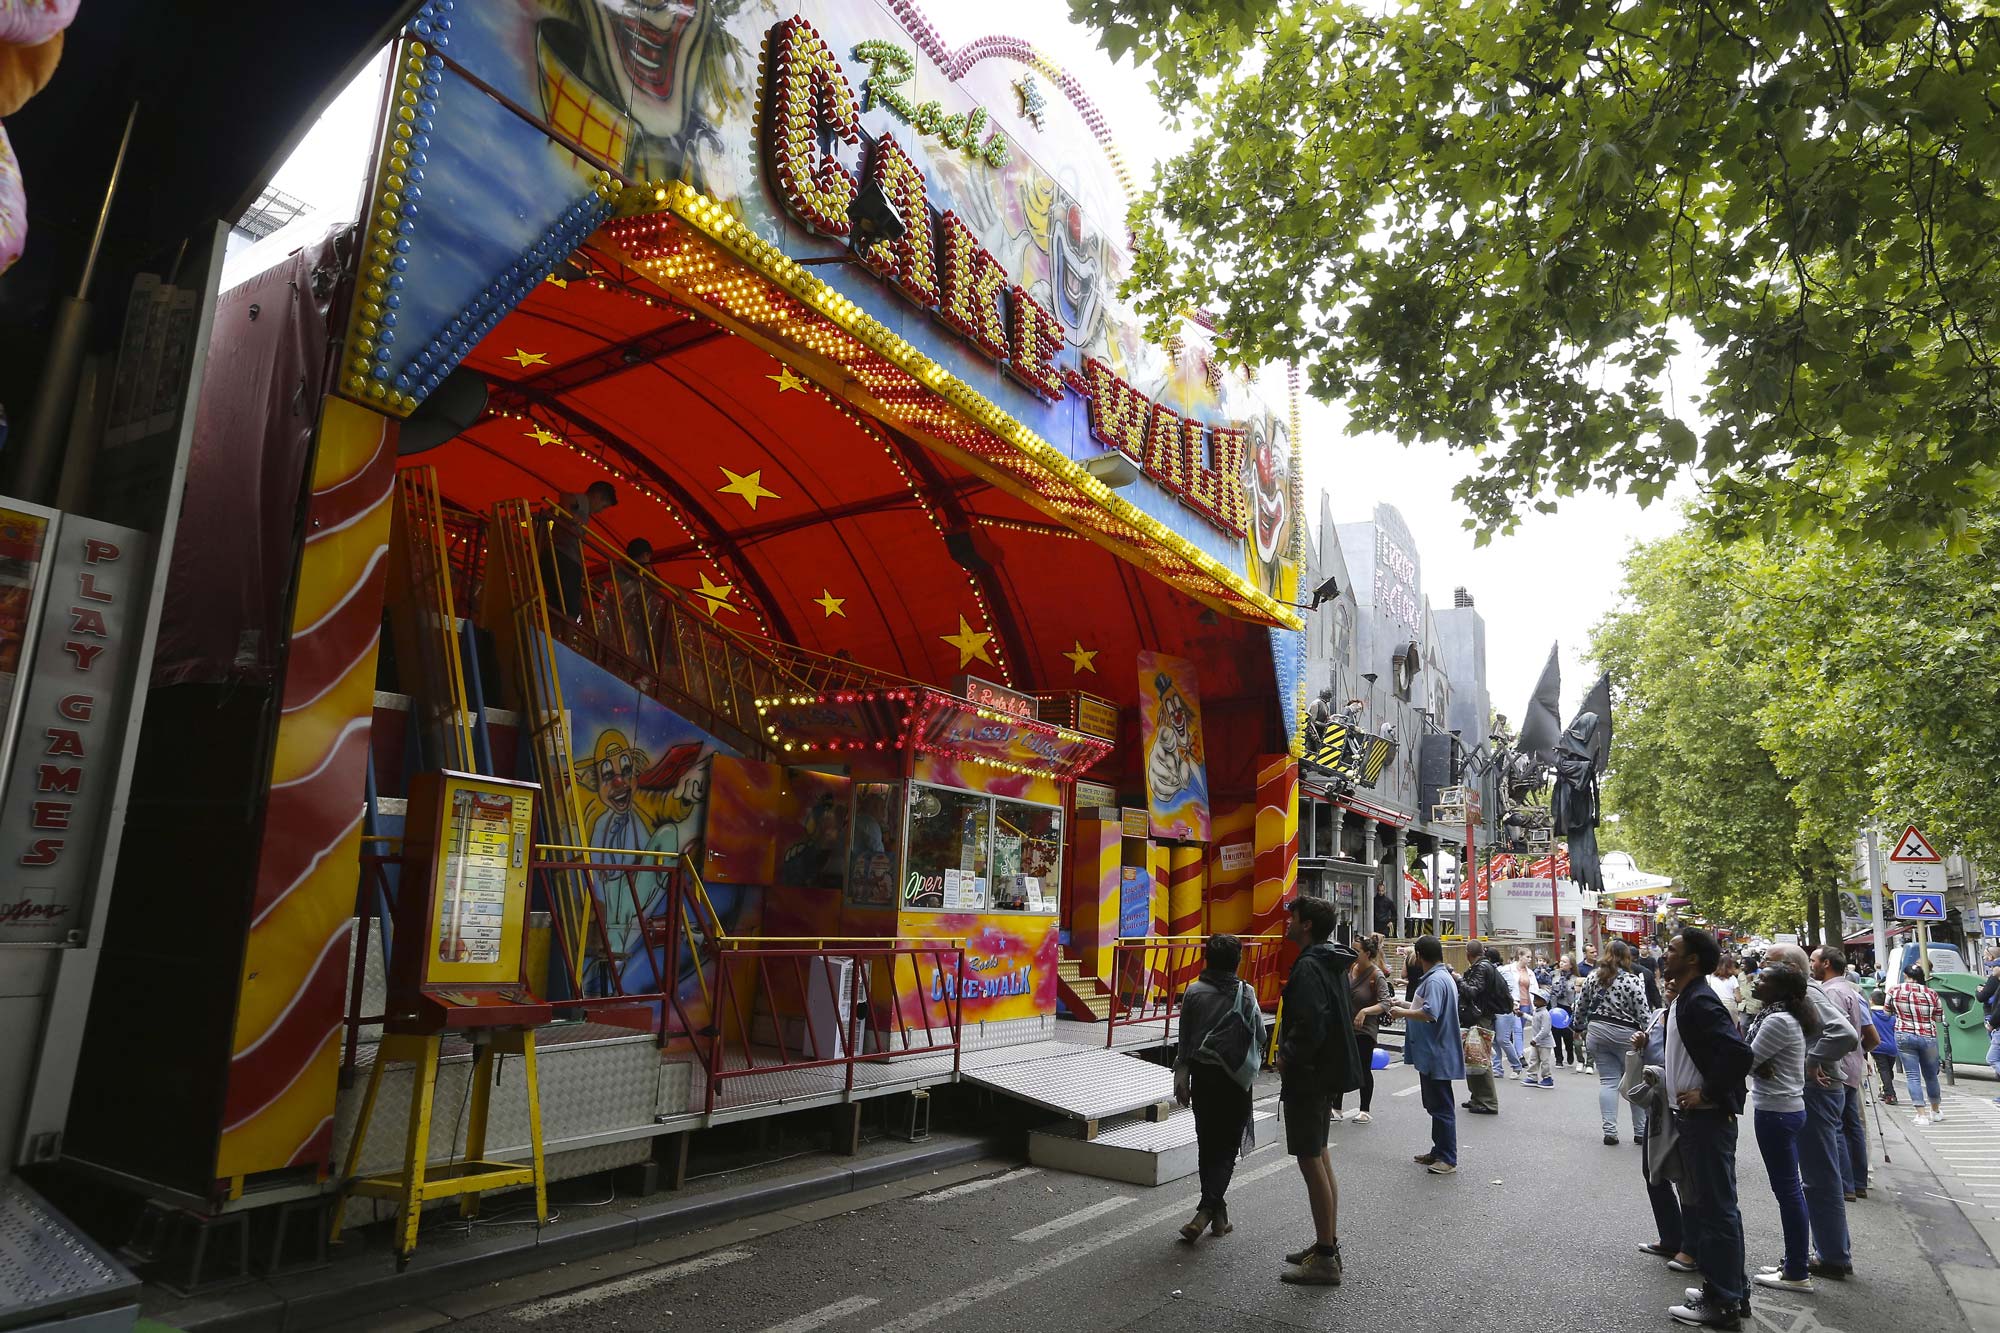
[1435, 1044]
[1887, 1054]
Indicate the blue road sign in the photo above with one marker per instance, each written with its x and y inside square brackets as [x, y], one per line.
[1920, 907]
[1991, 927]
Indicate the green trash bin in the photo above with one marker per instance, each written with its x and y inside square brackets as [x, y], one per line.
[1964, 1021]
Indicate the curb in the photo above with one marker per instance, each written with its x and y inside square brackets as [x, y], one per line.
[324, 1296]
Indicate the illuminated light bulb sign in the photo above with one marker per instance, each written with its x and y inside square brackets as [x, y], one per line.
[939, 265]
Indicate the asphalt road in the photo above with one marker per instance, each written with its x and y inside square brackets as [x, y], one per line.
[1537, 1231]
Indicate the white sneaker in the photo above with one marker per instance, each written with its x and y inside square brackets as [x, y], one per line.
[1923, 1119]
[1778, 1280]
[1350, 1115]
[1363, 1118]
[1937, 1116]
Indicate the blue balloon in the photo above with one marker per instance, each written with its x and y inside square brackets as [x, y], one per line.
[1559, 1018]
[1379, 1060]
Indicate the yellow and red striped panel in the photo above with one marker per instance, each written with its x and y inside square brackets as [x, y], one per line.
[1277, 843]
[1094, 884]
[1186, 881]
[1230, 892]
[285, 1057]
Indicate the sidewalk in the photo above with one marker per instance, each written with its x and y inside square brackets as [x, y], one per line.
[1947, 1184]
[455, 1257]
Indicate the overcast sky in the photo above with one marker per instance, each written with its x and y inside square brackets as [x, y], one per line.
[1513, 580]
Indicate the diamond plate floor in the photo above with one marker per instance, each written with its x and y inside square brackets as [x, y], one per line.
[1086, 1084]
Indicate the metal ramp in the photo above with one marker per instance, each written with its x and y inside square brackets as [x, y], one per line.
[1087, 1085]
[1139, 1152]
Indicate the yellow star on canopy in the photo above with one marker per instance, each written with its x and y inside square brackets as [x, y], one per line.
[1082, 659]
[831, 604]
[970, 644]
[716, 595]
[542, 435]
[526, 359]
[748, 485]
[786, 379]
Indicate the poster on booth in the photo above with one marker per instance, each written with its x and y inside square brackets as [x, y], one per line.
[1170, 738]
[1009, 969]
[641, 785]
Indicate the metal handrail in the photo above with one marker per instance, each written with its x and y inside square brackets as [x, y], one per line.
[1148, 977]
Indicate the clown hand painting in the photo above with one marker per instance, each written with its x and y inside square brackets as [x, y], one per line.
[1176, 770]
[637, 807]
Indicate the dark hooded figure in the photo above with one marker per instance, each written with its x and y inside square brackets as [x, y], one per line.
[1573, 806]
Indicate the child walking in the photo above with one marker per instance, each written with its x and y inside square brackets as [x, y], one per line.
[1886, 1055]
[1542, 1037]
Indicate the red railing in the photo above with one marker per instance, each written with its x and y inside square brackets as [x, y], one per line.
[881, 1013]
[1149, 975]
[869, 1000]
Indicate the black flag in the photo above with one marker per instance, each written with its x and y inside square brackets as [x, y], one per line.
[1598, 701]
[1542, 723]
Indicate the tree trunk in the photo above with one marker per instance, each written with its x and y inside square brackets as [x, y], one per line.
[1836, 925]
[1812, 918]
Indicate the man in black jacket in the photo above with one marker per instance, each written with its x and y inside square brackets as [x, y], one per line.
[1482, 995]
[1317, 1058]
[1707, 1061]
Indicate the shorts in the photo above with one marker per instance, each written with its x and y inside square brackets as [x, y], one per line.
[1307, 1115]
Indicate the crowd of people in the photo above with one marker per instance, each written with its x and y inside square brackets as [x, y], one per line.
[1687, 1038]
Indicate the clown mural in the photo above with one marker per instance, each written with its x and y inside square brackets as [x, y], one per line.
[643, 84]
[1267, 474]
[1170, 728]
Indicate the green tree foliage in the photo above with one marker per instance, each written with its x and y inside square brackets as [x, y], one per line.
[1480, 221]
[1775, 694]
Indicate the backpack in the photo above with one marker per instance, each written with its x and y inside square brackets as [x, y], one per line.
[1500, 996]
[1228, 1042]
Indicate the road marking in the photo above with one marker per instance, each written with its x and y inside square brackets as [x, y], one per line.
[625, 1286]
[1404, 1092]
[826, 1314]
[1077, 1218]
[974, 1186]
[1048, 1263]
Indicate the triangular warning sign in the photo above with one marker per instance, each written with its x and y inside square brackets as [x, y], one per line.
[1925, 907]
[1914, 846]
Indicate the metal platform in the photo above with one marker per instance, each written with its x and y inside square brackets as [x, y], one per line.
[1087, 1085]
[1140, 1152]
[51, 1271]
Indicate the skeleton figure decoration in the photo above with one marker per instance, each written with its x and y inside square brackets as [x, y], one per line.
[1573, 805]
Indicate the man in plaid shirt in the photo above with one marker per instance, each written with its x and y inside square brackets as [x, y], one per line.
[1918, 1013]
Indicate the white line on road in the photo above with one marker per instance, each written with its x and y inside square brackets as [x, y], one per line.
[974, 1186]
[826, 1314]
[1048, 1263]
[1404, 1092]
[625, 1286]
[1077, 1218]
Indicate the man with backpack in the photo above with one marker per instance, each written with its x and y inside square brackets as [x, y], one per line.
[1989, 997]
[1482, 997]
[1221, 1045]
[1317, 1058]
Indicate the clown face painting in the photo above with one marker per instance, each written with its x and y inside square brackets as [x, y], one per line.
[1267, 475]
[632, 80]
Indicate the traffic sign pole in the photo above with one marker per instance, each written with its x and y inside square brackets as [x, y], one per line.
[1875, 904]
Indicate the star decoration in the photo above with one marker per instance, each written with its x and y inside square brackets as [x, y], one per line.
[526, 359]
[542, 435]
[716, 595]
[1033, 104]
[970, 644]
[1082, 659]
[831, 604]
[786, 379]
[749, 485]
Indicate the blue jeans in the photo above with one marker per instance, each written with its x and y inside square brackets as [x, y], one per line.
[1920, 1054]
[1993, 1052]
[1507, 1041]
[1708, 1197]
[1854, 1143]
[1444, 1118]
[1778, 1141]
[1666, 1207]
[1608, 1043]
[1821, 1152]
